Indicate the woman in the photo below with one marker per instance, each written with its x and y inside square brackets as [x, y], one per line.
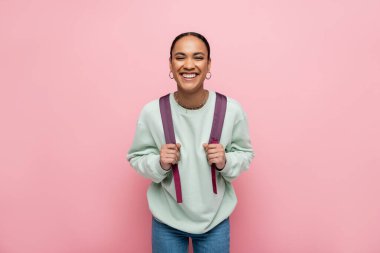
[202, 214]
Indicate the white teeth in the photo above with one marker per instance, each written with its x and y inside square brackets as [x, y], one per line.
[189, 75]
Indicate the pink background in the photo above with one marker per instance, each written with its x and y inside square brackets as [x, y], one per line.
[75, 74]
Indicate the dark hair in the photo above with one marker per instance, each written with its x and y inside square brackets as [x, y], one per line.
[199, 36]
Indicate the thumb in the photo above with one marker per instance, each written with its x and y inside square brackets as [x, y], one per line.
[205, 145]
[178, 145]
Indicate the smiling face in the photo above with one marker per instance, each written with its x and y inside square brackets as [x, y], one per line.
[189, 63]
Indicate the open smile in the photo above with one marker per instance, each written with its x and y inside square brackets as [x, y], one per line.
[189, 76]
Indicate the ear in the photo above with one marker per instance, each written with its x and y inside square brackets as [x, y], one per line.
[170, 65]
[209, 65]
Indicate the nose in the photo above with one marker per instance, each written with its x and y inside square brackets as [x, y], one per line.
[188, 64]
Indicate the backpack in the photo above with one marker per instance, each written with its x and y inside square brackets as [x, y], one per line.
[216, 131]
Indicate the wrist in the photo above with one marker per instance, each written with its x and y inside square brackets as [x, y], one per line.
[163, 167]
[225, 161]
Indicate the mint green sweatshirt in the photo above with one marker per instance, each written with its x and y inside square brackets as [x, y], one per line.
[201, 209]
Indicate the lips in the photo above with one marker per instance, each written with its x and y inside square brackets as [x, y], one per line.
[189, 75]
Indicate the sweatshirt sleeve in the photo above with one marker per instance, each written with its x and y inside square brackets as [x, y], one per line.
[144, 155]
[239, 152]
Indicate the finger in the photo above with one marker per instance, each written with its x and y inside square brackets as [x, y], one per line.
[170, 156]
[167, 160]
[215, 145]
[215, 150]
[168, 145]
[210, 149]
[170, 160]
[169, 151]
[212, 156]
[215, 160]
[172, 146]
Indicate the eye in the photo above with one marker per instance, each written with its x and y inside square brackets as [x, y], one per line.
[179, 58]
[198, 58]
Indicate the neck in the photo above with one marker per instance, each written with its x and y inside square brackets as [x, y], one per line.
[191, 100]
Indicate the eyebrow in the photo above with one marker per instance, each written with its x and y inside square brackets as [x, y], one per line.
[180, 53]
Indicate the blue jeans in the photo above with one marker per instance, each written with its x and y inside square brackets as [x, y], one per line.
[166, 239]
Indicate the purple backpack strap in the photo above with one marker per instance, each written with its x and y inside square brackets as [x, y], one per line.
[216, 130]
[167, 122]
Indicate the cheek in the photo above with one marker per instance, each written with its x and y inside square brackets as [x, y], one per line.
[204, 67]
[177, 67]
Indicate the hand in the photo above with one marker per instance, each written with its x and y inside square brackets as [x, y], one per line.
[215, 154]
[169, 154]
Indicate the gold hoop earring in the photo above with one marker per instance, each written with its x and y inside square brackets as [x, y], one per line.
[209, 76]
[171, 77]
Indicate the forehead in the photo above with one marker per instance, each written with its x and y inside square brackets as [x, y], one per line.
[189, 44]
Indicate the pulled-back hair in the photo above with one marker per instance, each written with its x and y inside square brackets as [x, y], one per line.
[199, 36]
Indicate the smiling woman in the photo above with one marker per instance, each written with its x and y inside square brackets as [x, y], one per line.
[192, 144]
[190, 65]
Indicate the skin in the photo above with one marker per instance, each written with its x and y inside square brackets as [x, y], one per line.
[190, 55]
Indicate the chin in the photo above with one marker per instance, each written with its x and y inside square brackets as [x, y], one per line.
[189, 86]
[190, 89]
